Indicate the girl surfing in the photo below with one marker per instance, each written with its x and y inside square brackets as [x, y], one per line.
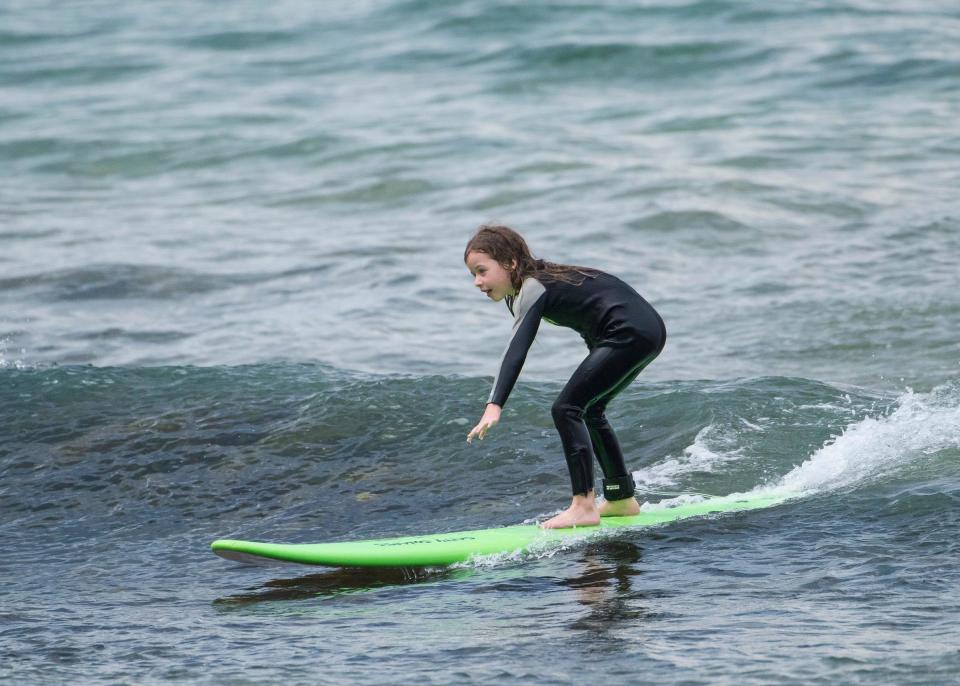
[623, 334]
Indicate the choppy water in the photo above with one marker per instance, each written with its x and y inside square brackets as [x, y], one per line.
[232, 303]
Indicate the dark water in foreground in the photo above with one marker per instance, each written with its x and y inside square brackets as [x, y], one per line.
[118, 479]
[232, 303]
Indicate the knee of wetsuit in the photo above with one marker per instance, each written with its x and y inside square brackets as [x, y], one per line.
[594, 417]
[562, 411]
[619, 488]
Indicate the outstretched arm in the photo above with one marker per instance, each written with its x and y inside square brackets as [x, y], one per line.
[528, 312]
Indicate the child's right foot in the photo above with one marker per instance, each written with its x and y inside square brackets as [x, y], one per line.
[572, 518]
[619, 508]
[582, 512]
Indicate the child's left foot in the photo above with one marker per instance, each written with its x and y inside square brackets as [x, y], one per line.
[619, 508]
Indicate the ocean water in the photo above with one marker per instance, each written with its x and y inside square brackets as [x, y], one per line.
[233, 304]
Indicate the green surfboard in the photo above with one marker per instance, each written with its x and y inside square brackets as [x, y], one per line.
[460, 546]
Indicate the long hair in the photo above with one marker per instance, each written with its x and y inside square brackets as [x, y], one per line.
[505, 245]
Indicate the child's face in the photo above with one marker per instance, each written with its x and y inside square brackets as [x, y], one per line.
[489, 276]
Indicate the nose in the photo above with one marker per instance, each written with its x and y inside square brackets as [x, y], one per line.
[477, 282]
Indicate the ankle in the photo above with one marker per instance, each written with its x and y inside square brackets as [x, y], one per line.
[584, 502]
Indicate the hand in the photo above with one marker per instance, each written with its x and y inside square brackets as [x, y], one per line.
[490, 417]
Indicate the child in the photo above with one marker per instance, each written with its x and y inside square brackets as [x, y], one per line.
[623, 334]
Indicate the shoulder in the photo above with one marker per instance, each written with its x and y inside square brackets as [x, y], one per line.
[531, 286]
[530, 291]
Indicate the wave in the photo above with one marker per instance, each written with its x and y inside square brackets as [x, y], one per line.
[922, 429]
[136, 281]
[613, 61]
[271, 447]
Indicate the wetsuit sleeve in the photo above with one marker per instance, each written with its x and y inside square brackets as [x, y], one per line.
[527, 313]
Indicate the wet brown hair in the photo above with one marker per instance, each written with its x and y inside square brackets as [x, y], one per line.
[505, 245]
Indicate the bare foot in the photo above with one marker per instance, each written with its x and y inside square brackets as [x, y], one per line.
[619, 508]
[582, 512]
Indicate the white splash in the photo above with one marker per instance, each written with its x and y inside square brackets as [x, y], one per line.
[5, 363]
[921, 425]
[703, 455]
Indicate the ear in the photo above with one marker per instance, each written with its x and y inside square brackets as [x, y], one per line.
[513, 265]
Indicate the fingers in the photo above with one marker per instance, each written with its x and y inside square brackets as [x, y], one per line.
[489, 419]
[479, 431]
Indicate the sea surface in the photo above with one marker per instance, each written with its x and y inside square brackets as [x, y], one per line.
[233, 304]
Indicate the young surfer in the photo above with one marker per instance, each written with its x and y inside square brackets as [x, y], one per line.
[623, 334]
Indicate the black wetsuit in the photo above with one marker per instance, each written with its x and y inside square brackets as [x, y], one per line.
[623, 333]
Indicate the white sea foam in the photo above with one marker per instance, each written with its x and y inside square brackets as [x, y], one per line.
[922, 424]
[711, 447]
[6, 363]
